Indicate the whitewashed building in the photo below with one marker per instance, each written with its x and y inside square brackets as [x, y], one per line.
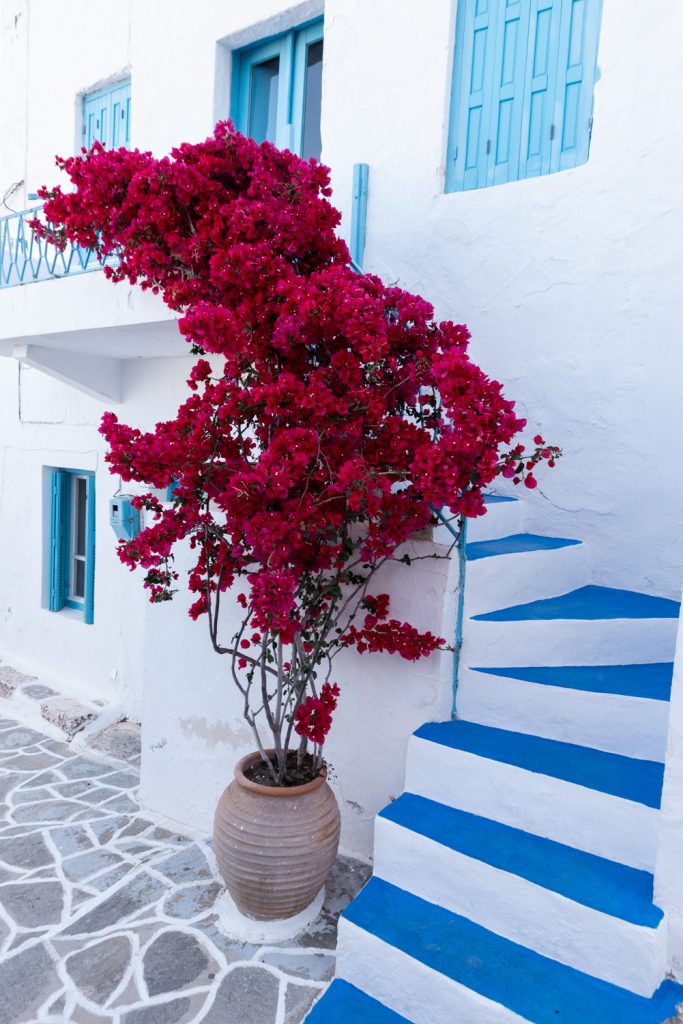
[518, 163]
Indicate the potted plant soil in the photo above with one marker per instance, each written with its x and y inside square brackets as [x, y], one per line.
[328, 416]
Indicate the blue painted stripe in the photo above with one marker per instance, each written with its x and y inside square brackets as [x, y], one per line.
[625, 777]
[496, 499]
[594, 882]
[538, 989]
[589, 603]
[345, 1004]
[649, 681]
[515, 544]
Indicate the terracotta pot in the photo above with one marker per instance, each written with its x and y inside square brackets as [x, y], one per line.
[275, 846]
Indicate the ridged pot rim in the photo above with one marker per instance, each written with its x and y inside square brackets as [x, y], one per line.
[257, 787]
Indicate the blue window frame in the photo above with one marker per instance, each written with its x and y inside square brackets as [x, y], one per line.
[277, 90]
[106, 116]
[72, 541]
[523, 78]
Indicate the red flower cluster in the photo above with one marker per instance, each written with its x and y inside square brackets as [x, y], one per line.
[327, 414]
[392, 637]
[313, 717]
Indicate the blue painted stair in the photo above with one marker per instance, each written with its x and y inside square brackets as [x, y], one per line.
[537, 989]
[592, 881]
[650, 681]
[625, 777]
[346, 1004]
[590, 603]
[515, 544]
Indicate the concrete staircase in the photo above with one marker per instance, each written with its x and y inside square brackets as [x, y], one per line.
[513, 879]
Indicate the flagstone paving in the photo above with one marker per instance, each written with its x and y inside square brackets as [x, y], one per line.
[105, 916]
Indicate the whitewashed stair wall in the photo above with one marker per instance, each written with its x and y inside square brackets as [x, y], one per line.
[513, 879]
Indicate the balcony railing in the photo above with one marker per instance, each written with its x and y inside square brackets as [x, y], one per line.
[25, 258]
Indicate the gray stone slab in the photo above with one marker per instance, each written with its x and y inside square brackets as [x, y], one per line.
[33, 904]
[177, 1011]
[298, 1001]
[89, 814]
[312, 966]
[248, 995]
[46, 811]
[232, 949]
[11, 680]
[122, 804]
[17, 738]
[84, 768]
[71, 839]
[57, 1007]
[188, 865]
[37, 691]
[176, 960]
[67, 714]
[84, 865]
[110, 878]
[107, 828]
[79, 1015]
[48, 778]
[122, 780]
[74, 789]
[19, 997]
[121, 740]
[30, 762]
[122, 904]
[25, 851]
[8, 781]
[192, 901]
[31, 796]
[136, 826]
[98, 970]
[163, 835]
[57, 747]
[98, 794]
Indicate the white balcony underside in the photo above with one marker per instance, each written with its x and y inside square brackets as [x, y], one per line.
[80, 330]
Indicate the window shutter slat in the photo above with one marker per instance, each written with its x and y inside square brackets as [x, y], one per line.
[512, 31]
[537, 123]
[89, 601]
[473, 80]
[59, 519]
[576, 67]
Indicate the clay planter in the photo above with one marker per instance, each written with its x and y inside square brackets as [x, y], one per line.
[275, 846]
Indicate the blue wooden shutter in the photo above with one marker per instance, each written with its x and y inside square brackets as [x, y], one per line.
[473, 64]
[59, 532]
[576, 69]
[541, 74]
[120, 116]
[89, 601]
[106, 116]
[509, 64]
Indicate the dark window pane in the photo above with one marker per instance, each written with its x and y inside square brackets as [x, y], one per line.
[263, 100]
[79, 512]
[311, 143]
[79, 582]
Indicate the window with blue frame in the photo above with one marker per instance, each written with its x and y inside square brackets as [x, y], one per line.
[277, 90]
[523, 78]
[106, 116]
[72, 541]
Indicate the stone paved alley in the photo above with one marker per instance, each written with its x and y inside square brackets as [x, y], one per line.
[104, 916]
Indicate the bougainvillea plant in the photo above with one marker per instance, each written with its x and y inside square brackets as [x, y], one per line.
[328, 416]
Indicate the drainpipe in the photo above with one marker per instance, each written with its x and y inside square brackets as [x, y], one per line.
[460, 534]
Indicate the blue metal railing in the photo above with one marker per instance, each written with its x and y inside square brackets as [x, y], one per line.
[24, 257]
